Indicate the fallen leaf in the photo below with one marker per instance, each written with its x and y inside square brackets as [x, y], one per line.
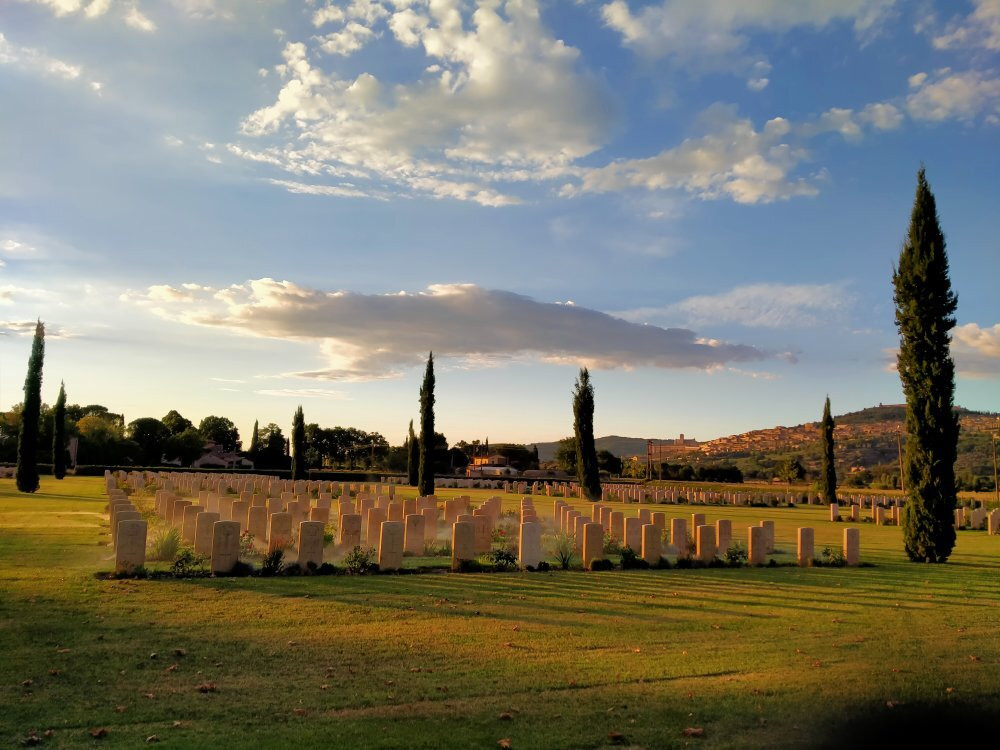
[150, 695]
[207, 687]
[506, 716]
[694, 732]
[616, 737]
[27, 683]
[973, 658]
[506, 743]
[153, 738]
[99, 733]
[119, 709]
[299, 711]
[55, 672]
[171, 668]
[180, 652]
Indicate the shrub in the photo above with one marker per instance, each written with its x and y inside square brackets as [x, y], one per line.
[736, 555]
[502, 558]
[272, 563]
[165, 545]
[359, 560]
[602, 564]
[611, 545]
[329, 534]
[437, 549]
[247, 549]
[187, 563]
[561, 548]
[833, 558]
[241, 569]
[632, 561]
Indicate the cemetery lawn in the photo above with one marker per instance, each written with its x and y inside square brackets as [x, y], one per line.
[753, 658]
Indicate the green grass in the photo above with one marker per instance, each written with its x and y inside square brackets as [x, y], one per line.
[765, 657]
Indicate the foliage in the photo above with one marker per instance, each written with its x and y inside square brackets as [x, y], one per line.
[254, 442]
[165, 545]
[791, 470]
[187, 563]
[828, 473]
[566, 455]
[631, 559]
[502, 558]
[174, 422]
[59, 435]
[736, 554]
[247, 549]
[602, 564]
[833, 558]
[360, 560]
[186, 447]
[609, 462]
[722, 472]
[221, 431]
[437, 549]
[425, 469]
[412, 457]
[298, 445]
[272, 563]
[151, 435]
[611, 545]
[561, 547]
[587, 471]
[27, 441]
[925, 307]
[270, 448]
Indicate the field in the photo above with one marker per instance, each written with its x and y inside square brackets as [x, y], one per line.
[893, 654]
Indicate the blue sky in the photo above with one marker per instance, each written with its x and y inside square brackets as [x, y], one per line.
[236, 207]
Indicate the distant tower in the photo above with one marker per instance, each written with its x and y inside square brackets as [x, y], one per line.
[682, 439]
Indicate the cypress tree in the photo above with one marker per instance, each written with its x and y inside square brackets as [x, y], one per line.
[412, 457]
[59, 435]
[254, 442]
[27, 439]
[425, 472]
[587, 471]
[828, 476]
[298, 445]
[925, 307]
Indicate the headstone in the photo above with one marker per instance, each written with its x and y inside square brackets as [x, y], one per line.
[806, 547]
[679, 537]
[177, 513]
[204, 524]
[855, 513]
[189, 520]
[768, 527]
[225, 546]
[723, 534]
[852, 546]
[430, 523]
[530, 545]
[311, 543]
[350, 532]
[697, 519]
[834, 512]
[257, 522]
[321, 514]
[593, 544]
[117, 518]
[633, 533]
[463, 543]
[130, 551]
[756, 545]
[373, 525]
[414, 534]
[279, 531]
[390, 546]
[395, 511]
[652, 544]
[705, 541]
[618, 526]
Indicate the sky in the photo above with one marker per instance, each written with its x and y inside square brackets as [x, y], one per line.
[235, 207]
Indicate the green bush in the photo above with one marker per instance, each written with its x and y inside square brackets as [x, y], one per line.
[272, 563]
[611, 545]
[736, 555]
[602, 564]
[165, 545]
[632, 561]
[359, 560]
[502, 558]
[561, 547]
[187, 563]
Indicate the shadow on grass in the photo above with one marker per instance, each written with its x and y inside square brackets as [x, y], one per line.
[921, 724]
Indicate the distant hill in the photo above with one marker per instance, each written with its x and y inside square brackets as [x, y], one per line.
[620, 446]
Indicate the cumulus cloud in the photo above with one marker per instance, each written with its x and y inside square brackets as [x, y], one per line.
[768, 305]
[130, 12]
[36, 61]
[368, 336]
[501, 101]
[715, 34]
[980, 29]
[977, 350]
[946, 95]
[27, 328]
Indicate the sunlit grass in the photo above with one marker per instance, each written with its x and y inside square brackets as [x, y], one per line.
[766, 657]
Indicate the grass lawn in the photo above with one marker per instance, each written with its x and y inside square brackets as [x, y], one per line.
[767, 657]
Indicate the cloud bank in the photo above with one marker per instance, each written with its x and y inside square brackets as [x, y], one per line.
[371, 336]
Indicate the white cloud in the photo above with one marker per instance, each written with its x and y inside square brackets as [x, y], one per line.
[502, 101]
[758, 84]
[304, 393]
[35, 61]
[715, 34]
[948, 95]
[59, 7]
[766, 305]
[17, 249]
[136, 19]
[97, 8]
[981, 28]
[366, 336]
[347, 41]
[977, 350]
[882, 115]
[27, 328]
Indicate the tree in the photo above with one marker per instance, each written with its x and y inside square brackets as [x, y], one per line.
[425, 469]
[271, 448]
[791, 470]
[925, 307]
[59, 435]
[587, 471]
[412, 457]
[828, 474]
[151, 435]
[566, 455]
[174, 422]
[27, 439]
[254, 442]
[609, 462]
[298, 445]
[221, 431]
[187, 447]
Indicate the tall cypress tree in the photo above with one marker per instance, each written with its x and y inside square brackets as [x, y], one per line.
[254, 442]
[583, 428]
[298, 445]
[27, 439]
[925, 307]
[412, 457]
[59, 435]
[425, 472]
[828, 474]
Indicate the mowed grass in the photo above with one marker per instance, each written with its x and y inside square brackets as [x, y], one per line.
[765, 657]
